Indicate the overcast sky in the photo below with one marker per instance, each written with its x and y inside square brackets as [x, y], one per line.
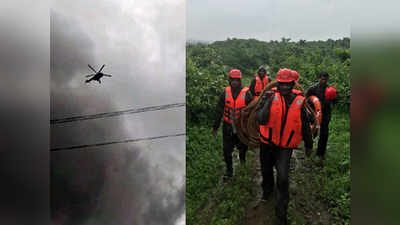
[266, 20]
[142, 44]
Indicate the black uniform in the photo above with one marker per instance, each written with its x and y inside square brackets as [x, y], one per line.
[319, 91]
[230, 140]
[272, 155]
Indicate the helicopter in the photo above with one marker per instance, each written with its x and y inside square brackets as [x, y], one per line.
[96, 75]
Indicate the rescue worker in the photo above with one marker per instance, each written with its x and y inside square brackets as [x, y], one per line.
[231, 101]
[259, 81]
[295, 76]
[320, 90]
[283, 124]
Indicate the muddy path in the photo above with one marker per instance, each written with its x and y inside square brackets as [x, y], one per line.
[257, 212]
[304, 205]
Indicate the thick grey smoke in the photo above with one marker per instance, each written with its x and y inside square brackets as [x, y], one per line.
[155, 211]
[125, 183]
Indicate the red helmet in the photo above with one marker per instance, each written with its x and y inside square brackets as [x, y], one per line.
[284, 75]
[295, 75]
[235, 73]
[330, 93]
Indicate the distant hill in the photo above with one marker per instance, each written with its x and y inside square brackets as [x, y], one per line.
[306, 57]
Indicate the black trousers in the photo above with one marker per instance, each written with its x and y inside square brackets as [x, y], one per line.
[271, 156]
[229, 142]
[323, 135]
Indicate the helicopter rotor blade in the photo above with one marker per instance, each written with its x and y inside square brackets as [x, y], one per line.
[101, 68]
[91, 68]
[107, 75]
[90, 75]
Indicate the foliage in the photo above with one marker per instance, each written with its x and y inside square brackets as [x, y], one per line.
[208, 63]
[334, 179]
[203, 165]
[208, 200]
[327, 189]
[203, 89]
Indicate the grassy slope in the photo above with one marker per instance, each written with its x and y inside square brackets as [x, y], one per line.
[322, 195]
[334, 180]
[209, 200]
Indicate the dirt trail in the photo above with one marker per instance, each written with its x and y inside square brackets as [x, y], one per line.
[257, 212]
[304, 206]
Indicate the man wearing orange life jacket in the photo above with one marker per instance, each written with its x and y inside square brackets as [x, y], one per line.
[259, 81]
[295, 76]
[230, 103]
[283, 124]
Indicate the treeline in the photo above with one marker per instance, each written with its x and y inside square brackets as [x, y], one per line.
[207, 65]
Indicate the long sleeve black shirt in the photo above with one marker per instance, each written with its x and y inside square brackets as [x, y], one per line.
[253, 84]
[319, 91]
[262, 116]
[219, 111]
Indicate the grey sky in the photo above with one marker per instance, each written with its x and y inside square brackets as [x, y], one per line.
[142, 44]
[268, 19]
[24, 96]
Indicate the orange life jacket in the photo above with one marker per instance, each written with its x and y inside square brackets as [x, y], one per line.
[259, 87]
[317, 112]
[234, 106]
[291, 135]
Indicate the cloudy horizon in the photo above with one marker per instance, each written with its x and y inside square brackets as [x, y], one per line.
[309, 20]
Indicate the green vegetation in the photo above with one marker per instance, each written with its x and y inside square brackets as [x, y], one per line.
[329, 185]
[210, 201]
[208, 64]
[335, 177]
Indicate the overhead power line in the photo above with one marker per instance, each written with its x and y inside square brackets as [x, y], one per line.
[115, 142]
[116, 113]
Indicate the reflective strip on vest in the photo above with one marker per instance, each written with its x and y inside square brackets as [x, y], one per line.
[292, 134]
[234, 106]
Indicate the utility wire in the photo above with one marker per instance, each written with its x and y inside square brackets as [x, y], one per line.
[115, 142]
[116, 113]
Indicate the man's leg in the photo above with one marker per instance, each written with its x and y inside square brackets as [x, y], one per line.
[282, 168]
[228, 149]
[323, 137]
[267, 162]
[242, 149]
